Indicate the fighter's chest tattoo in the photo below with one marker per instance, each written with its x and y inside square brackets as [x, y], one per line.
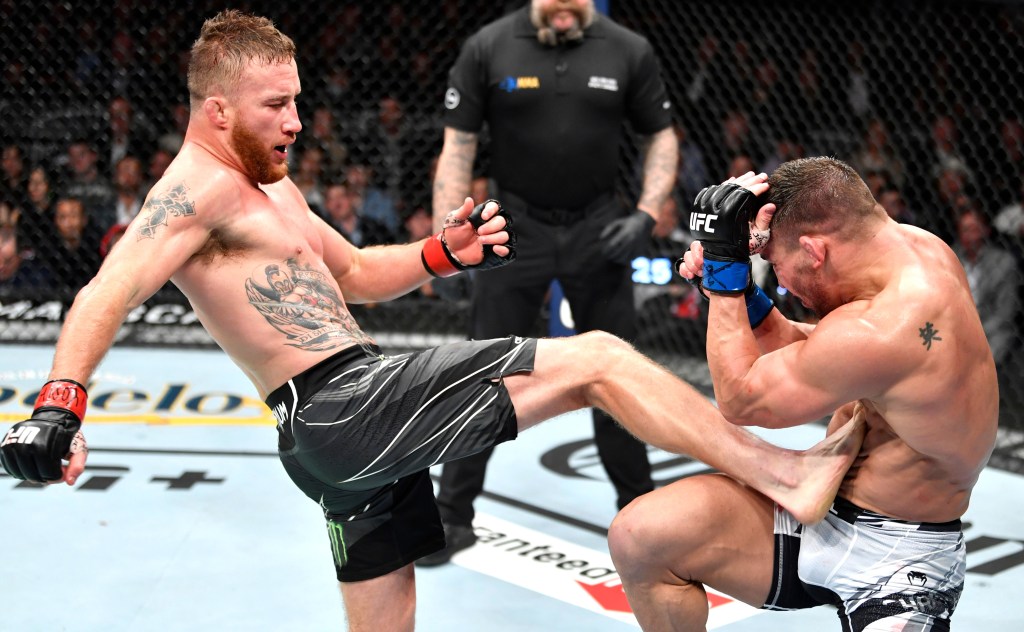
[300, 302]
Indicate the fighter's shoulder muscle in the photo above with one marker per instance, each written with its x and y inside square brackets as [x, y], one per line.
[188, 199]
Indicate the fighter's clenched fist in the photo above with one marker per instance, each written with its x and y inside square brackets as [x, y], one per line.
[732, 221]
[33, 449]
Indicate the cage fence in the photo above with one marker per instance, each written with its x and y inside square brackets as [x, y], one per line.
[923, 98]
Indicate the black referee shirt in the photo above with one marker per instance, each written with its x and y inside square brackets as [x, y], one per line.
[555, 113]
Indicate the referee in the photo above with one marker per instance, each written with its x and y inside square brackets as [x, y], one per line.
[555, 82]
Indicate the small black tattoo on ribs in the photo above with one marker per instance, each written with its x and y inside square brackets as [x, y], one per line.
[160, 208]
[928, 333]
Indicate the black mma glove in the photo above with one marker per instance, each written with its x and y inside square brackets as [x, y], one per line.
[32, 449]
[720, 219]
[627, 237]
[441, 262]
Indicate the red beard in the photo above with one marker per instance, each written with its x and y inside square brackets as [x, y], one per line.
[254, 156]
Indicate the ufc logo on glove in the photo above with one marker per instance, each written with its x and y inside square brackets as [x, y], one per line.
[702, 221]
[25, 434]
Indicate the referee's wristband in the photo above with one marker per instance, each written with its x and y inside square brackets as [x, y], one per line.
[758, 305]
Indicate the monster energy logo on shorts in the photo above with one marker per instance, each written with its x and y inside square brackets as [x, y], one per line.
[337, 543]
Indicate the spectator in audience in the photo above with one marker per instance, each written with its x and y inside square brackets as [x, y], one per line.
[994, 279]
[341, 210]
[947, 155]
[13, 182]
[36, 231]
[19, 270]
[374, 202]
[1010, 159]
[702, 88]
[327, 136]
[125, 135]
[739, 164]
[111, 238]
[88, 61]
[693, 175]
[895, 205]
[171, 140]
[158, 162]
[877, 153]
[309, 177]
[85, 183]
[9, 214]
[338, 88]
[424, 72]
[418, 224]
[811, 93]
[735, 138]
[127, 76]
[786, 149]
[876, 181]
[77, 253]
[398, 149]
[1010, 219]
[858, 82]
[128, 185]
[388, 57]
[952, 195]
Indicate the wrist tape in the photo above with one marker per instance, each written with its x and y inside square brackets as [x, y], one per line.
[725, 277]
[66, 394]
[759, 305]
[437, 259]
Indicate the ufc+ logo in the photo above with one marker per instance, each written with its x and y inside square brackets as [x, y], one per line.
[702, 221]
[25, 434]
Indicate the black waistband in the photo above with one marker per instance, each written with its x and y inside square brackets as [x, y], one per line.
[552, 216]
[316, 376]
[851, 513]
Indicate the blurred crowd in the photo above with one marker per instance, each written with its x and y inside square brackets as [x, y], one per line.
[102, 93]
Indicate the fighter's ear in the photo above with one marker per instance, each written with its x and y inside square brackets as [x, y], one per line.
[814, 248]
[216, 111]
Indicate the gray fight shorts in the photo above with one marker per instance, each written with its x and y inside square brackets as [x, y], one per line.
[359, 431]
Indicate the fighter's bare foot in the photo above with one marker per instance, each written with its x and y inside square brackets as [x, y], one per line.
[821, 469]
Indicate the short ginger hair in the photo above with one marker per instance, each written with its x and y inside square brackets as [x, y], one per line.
[227, 43]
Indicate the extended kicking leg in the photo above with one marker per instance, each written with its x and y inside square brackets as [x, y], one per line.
[600, 370]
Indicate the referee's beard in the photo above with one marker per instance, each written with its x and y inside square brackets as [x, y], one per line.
[541, 16]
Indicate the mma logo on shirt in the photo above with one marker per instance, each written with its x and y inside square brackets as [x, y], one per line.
[511, 84]
[604, 83]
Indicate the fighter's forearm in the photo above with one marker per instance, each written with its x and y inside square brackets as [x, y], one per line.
[732, 351]
[777, 331]
[385, 273]
[90, 329]
[454, 173]
[661, 163]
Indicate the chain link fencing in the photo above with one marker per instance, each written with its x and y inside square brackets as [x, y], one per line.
[923, 98]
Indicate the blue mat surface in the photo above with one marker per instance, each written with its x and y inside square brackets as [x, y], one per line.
[186, 521]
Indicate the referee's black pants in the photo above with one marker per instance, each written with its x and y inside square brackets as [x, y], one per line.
[507, 301]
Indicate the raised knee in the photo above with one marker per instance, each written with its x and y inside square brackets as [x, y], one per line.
[604, 342]
[602, 351]
[631, 536]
